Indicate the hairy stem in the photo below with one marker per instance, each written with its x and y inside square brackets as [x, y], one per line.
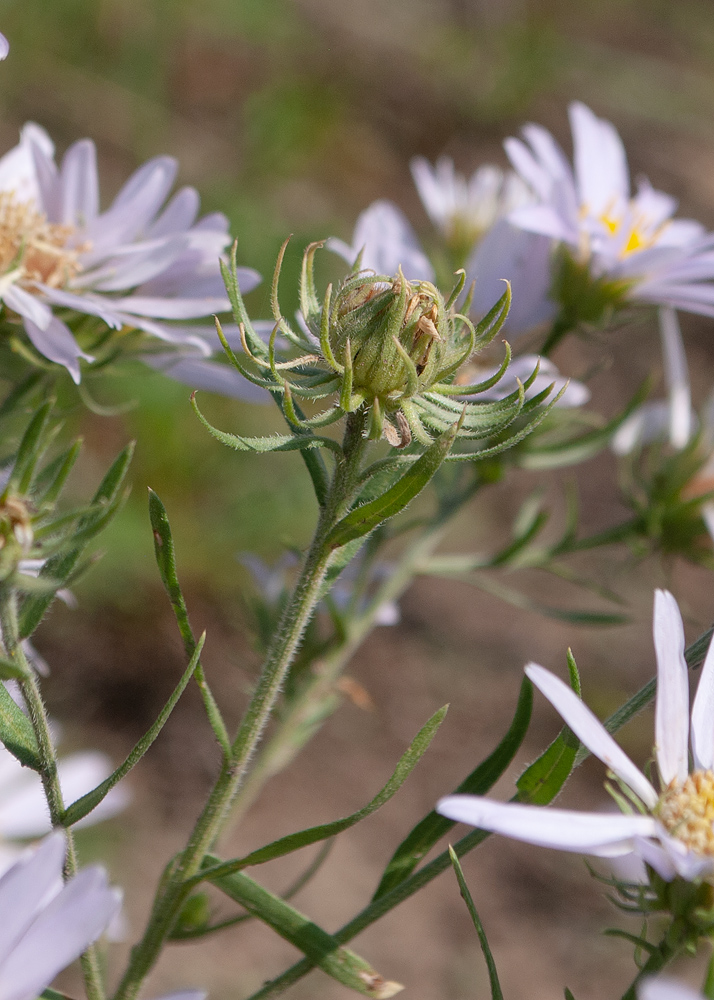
[173, 891]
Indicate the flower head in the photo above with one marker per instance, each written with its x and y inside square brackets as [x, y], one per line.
[140, 264]
[51, 923]
[630, 245]
[673, 828]
[465, 209]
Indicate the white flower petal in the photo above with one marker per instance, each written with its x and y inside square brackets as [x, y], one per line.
[28, 886]
[672, 704]
[588, 728]
[600, 163]
[387, 241]
[677, 375]
[703, 715]
[603, 834]
[59, 934]
[656, 857]
[57, 343]
[211, 376]
[28, 306]
[178, 216]
[174, 308]
[4, 47]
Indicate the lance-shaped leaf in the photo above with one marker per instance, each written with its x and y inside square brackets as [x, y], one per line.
[277, 442]
[166, 561]
[433, 827]
[367, 517]
[496, 992]
[104, 505]
[82, 807]
[33, 443]
[295, 841]
[16, 732]
[320, 947]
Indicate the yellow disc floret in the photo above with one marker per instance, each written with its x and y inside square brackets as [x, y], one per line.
[687, 811]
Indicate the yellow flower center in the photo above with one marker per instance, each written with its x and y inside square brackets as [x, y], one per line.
[34, 247]
[687, 811]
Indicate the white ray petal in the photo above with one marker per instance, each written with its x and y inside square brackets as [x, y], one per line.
[703, 716]
[664, 988]
[672, 704]
[57, 343]
[600, 161]
[27, 886]
[603, 834]
[79, 184]
[676, 373]
[588, 728]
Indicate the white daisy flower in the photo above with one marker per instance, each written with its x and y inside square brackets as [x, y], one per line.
[519, 370]
[386, 240]
[625, 238]
[464, 209]
[141, 263]
[52, 922]
[673, 831]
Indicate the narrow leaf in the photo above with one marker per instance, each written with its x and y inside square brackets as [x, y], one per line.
[320, 947]
[496, 993]
[295, 841]
[166, 561]
[29, 452]
[16, 732]
[425, 834]
[366, 518]
[82, 807]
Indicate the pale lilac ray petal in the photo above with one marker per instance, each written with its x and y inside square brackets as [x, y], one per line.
[604, 834]
[135, 265]
[79, 184]
[656, 857]
[199, 373]
[599, 158]
[588, 728]
[544, 220]
[342, 249]
[672, 703]
[528, 168]
[647, 423]
[703, 715]
[27, 886]
[173, 308]
[17, 168]
[28, 306]
[60, 933]
[102, 308]
[47, 178]
[664, 988]
[689, 864]
[430, 191]
[135, 206]
[179, 215]
[4, 47]
[184, 995]
[676, 373]
[57, 344]
[24, 811]
[389, 241]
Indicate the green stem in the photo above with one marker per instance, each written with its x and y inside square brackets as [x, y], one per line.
[173, 891]
[665, 953]
[316, 702]
[49, 774]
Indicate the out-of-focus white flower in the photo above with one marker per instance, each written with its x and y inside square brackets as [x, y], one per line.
[674, 831]
[524, 259]
[464, 209]
[664, 988]
[386, 240]
[520, 369]
[47, 923]
[4, 47]
[628, 239]
[141, 263]
[23, 809]
[671, 418]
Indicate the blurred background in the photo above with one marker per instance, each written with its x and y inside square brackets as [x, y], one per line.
[291, 116]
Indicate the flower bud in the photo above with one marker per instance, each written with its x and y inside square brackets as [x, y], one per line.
[16, 535]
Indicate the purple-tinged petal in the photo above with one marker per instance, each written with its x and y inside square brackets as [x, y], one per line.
[89, 304]
[543, 219]
[28, 306]
[600, 161]
[588, 728]
[79, 183]
[60, 933]
[4, 47]
[663, 988]
[27, 887]
[174, 308]
[603, 834]
[672, 704]
[178, 216]
[211, 376]
[57, 344]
